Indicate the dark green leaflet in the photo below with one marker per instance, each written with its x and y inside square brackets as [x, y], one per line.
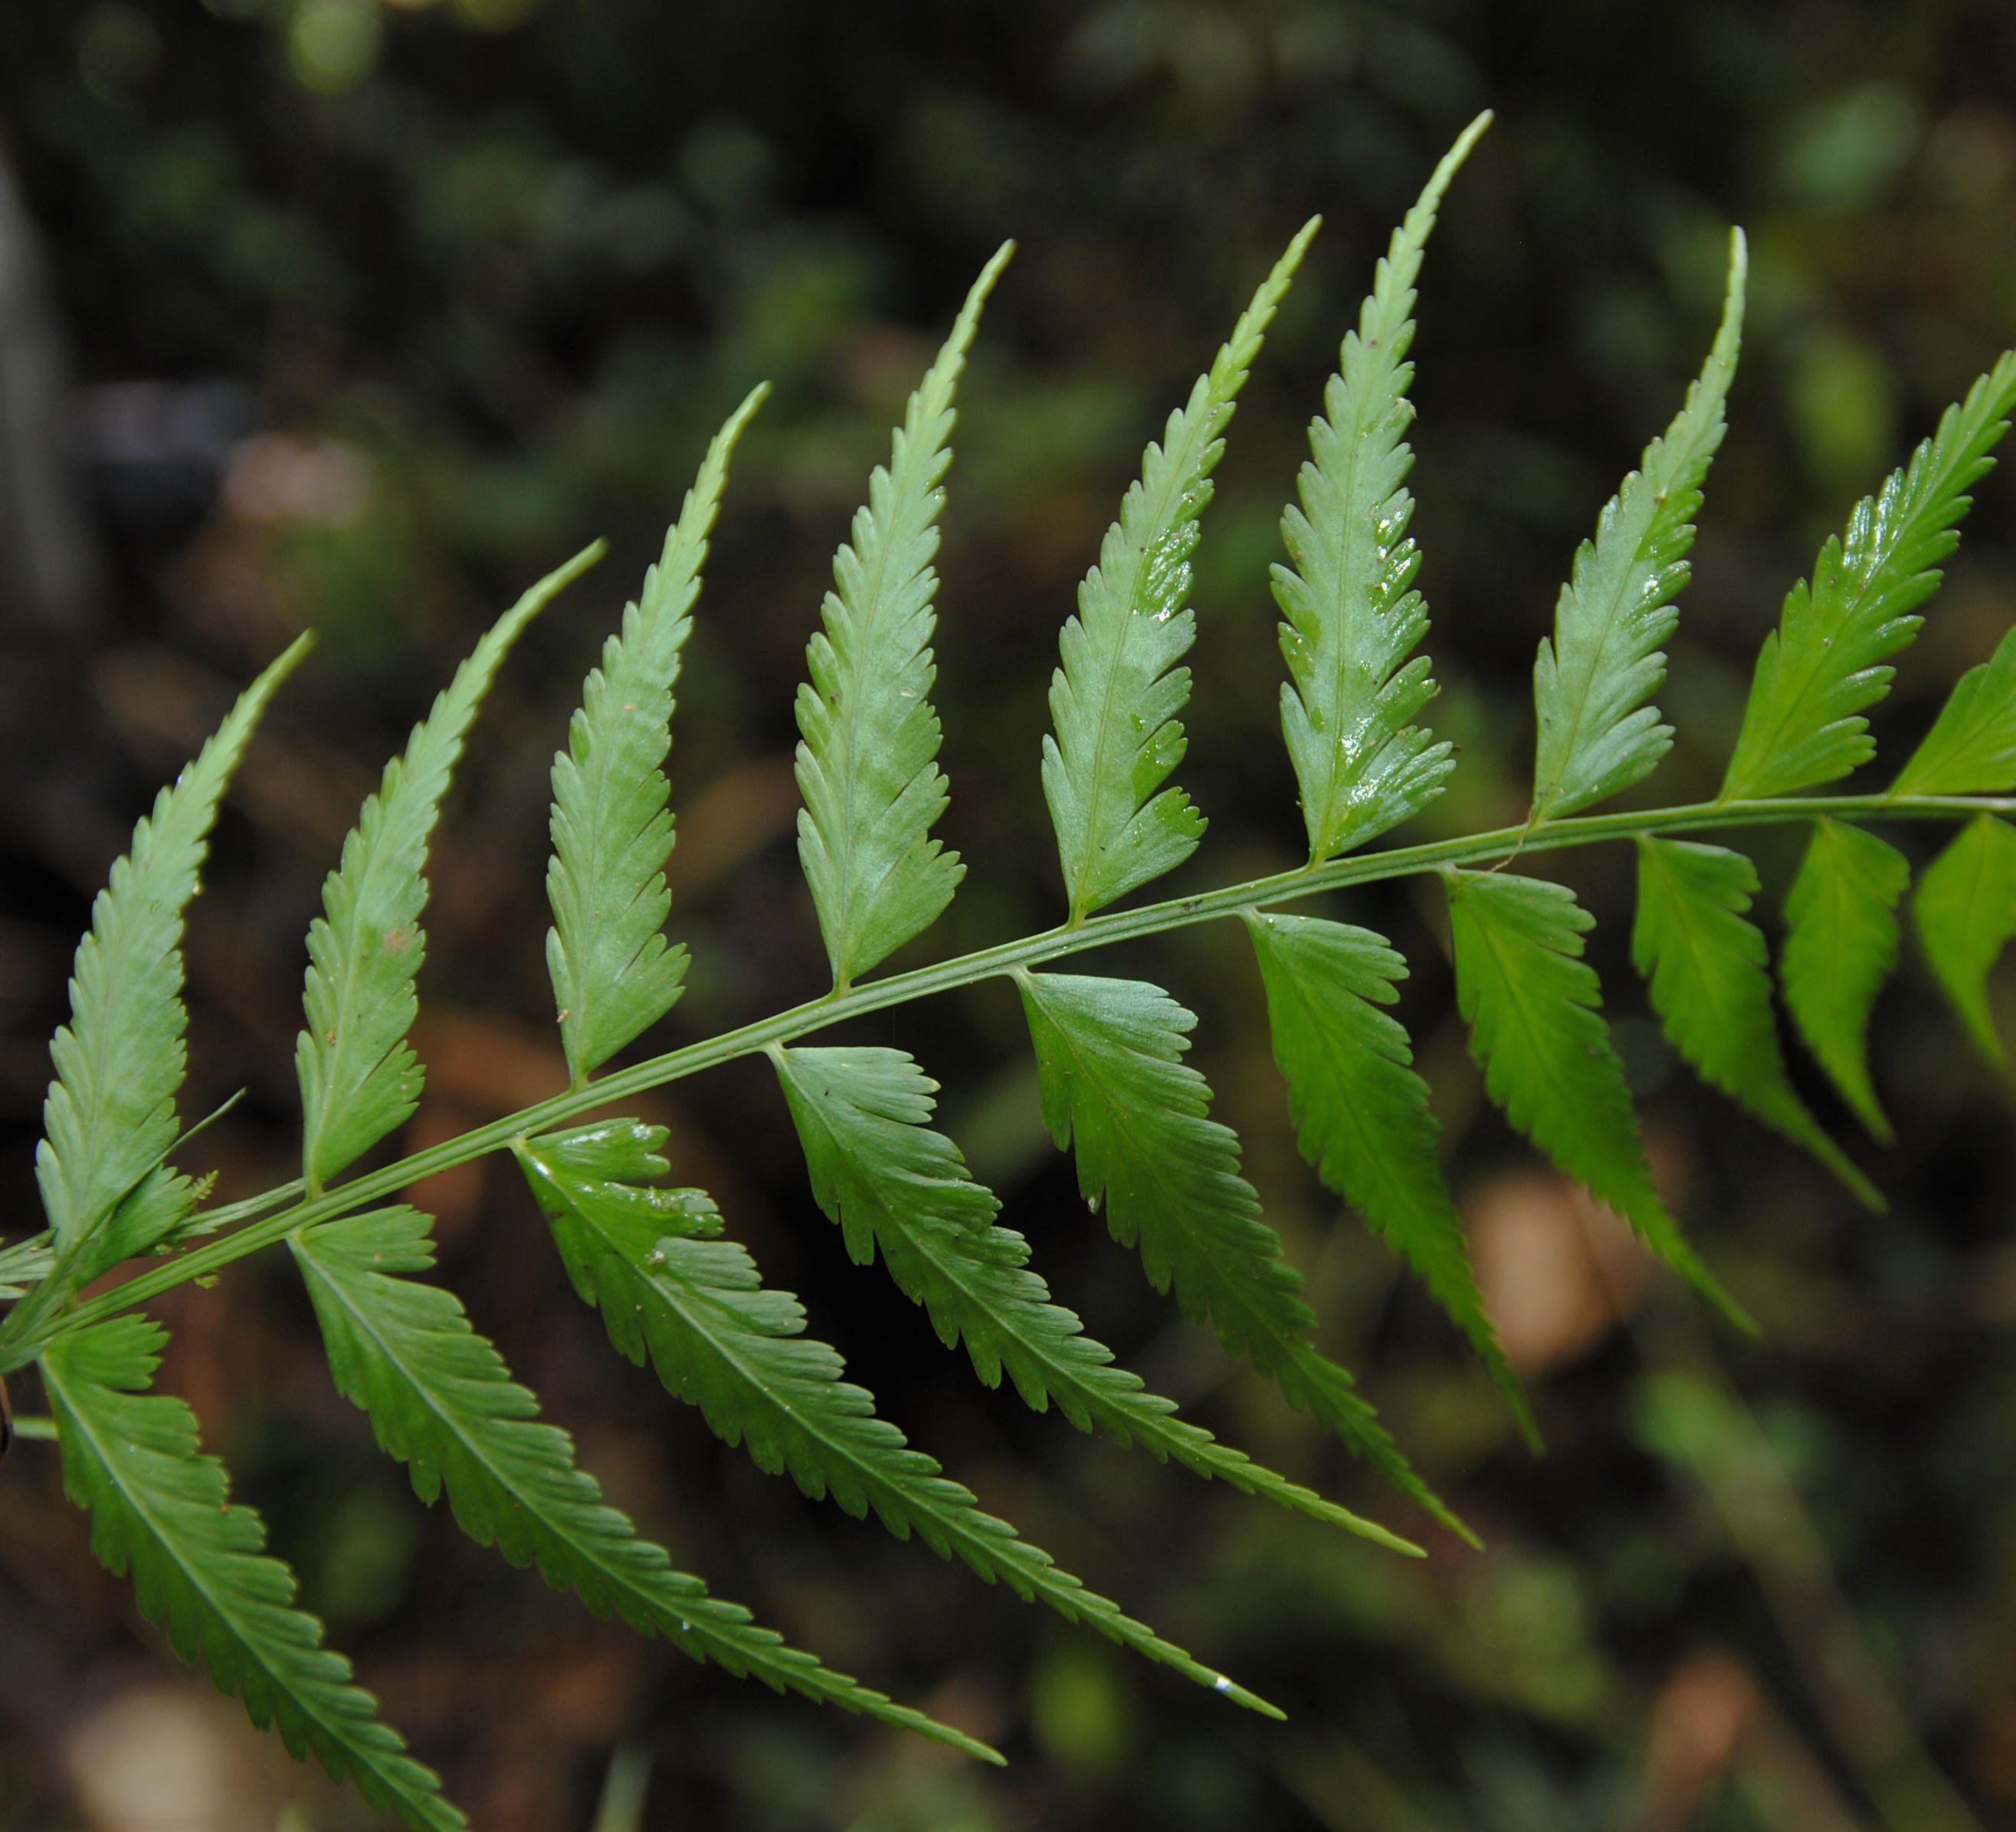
[159, 1509]
[1117, 1092]
[1361, 1113]
[1965, 907]
[1712, 988]
[889, 1181]
[442, 1400]
[1537, 1029]
[695, 1307]
[1840, 945]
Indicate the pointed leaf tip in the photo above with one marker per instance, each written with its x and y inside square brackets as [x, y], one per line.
[1116, 699]
[1828, 660]
[1592, 679]
[867, 761]
[110, 1117]
[613, 974]
[359, 1077]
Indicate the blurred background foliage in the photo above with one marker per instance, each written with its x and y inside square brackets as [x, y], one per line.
[375, 310]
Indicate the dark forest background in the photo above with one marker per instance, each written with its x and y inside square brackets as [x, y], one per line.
[373, 312]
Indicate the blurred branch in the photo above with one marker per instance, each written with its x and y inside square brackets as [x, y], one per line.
[1690, 1412]
[625, 1791]
[1347, 1791]
[1713, 1721]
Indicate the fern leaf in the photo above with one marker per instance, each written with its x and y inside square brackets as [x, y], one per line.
[1826, 661]
[26, 1263]
[1841, 944]
[110, 1117]
[442, 1401]
[1971, 748]
[359, 1077]
[867, 767]
[1537, 1031]
[879, 1171]
[158, 1211]
[1590, 683]
[1710, 984]
[159, 1509]
[1114, 701]
[1361, 1113]
[1965, 906]
[1116, 1088]
[696, 1307]
[1347, 709]
[613, 975]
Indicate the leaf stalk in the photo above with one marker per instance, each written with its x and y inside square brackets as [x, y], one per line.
[20, 1346]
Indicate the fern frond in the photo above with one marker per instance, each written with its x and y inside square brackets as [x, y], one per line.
[1841, 944]
[1537, 1031]
[879, 1171]
[1965, 906]
[442, 1401]
[613, 975]
[159, 1509]
[1116, 1090]
[1114, 701]
[1971, 748]
[1362, 1114]
[1353, 618]
[1590, 684]
[159, 1211]
[868, 765]
[697, 1307]
[359, 1077]
[1706, 967]
[25, 1263]
[110, 1117]
[1826, 661]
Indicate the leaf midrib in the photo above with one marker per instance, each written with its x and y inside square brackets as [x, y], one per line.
[1353, 583]
[22, 1340]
